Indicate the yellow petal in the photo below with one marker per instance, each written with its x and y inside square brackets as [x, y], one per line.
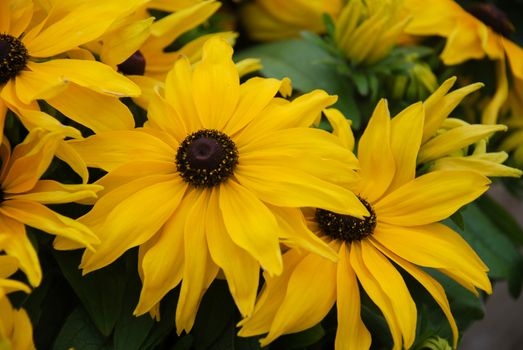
[8, 264]
[431, 285]
[199, 270]
[351, 333]
[126, 227]
[251, 225]
[310, 295]
[34, 83]
[431, 197]
[9, 286]
[341, 127]
[52, 192]
[66, 153]
[406, 133]
[492, 109]
[515, 57]
[90, 74]
[375, 154]
[96, 111]
[40, 217]
[435, 246]
[161, 115]
[112, 149]
[455, 139]
[294, 188]
[216, 82]
[240, 268]
[463, 43]
[14, 241]
[482, 164]
[148, 86]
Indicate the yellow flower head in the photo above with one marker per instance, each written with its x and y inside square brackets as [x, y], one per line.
[446, 141]
[212, 181]
[16, 332]
[84, 90]
[268, 20]
[23, 195]
[403, 228]
[366, 31]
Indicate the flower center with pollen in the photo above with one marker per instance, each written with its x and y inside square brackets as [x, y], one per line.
[13, 57]
[492, 16]
[206, 158]
[345, 227]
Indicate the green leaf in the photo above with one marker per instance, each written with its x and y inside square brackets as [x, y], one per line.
[101, 292]
[216, 312]
[506, 223]
[307, 65]
[167, 323]
[457, 218]
[300, 340]
[79, 333]
[492, 245]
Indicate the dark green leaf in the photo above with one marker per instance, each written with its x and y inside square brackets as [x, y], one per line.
[501, 218]
[101, 292]
[457, 218]
[167, 322]
[79, 333]
[300, 340]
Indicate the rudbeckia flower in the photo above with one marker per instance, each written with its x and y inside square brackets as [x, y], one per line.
[476, 32]
[16, 331]
[84, 90]
[446, 141]
[23, 195]
[212, 181]
[403, 228]
[268, 20]
[366, 31]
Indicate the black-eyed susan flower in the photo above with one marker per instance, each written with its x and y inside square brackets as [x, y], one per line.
[403, 228]
[23, 195]
[268, 20]
[38, 61]
[451, 143]
[16, 332]
[213, 181]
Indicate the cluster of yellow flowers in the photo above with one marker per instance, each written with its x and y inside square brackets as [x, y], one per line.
[228, 178]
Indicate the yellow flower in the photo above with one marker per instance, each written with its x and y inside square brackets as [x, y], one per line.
[212, 181]
[84, 90]
[268, 20]
[16, 332]
[446, 140]
[366, 31]
[402, 228]
[474, 34]
[23, 195]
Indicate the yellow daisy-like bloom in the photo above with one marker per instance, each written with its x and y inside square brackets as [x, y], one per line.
[84, 90]
[474, 34]
[446, 140]
[366, 31]
[16, 332]
[268, 20]
[23, 195]
[213, 181]
[402, 228]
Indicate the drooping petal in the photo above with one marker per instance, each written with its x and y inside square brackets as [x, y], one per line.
[8, 264]
[341, 127]
[199, 270]
[126, 226]
[375, 155]
[486, 164]
[53, 192]
[288, 187]
[431, 197]
[240, 268]
[66, 153]
[251, 225]
[431, 285]
[436, 246]
[351, 333]
[96, 111]
[14, 241]
[406, 132]
[112, 149]
[310, 294]
[216, 85]
[39, 216]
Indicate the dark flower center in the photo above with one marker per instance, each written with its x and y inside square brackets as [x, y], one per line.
[492, 16]
[206, 158]
[13, 57]
[345, 227]
[134, 65]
